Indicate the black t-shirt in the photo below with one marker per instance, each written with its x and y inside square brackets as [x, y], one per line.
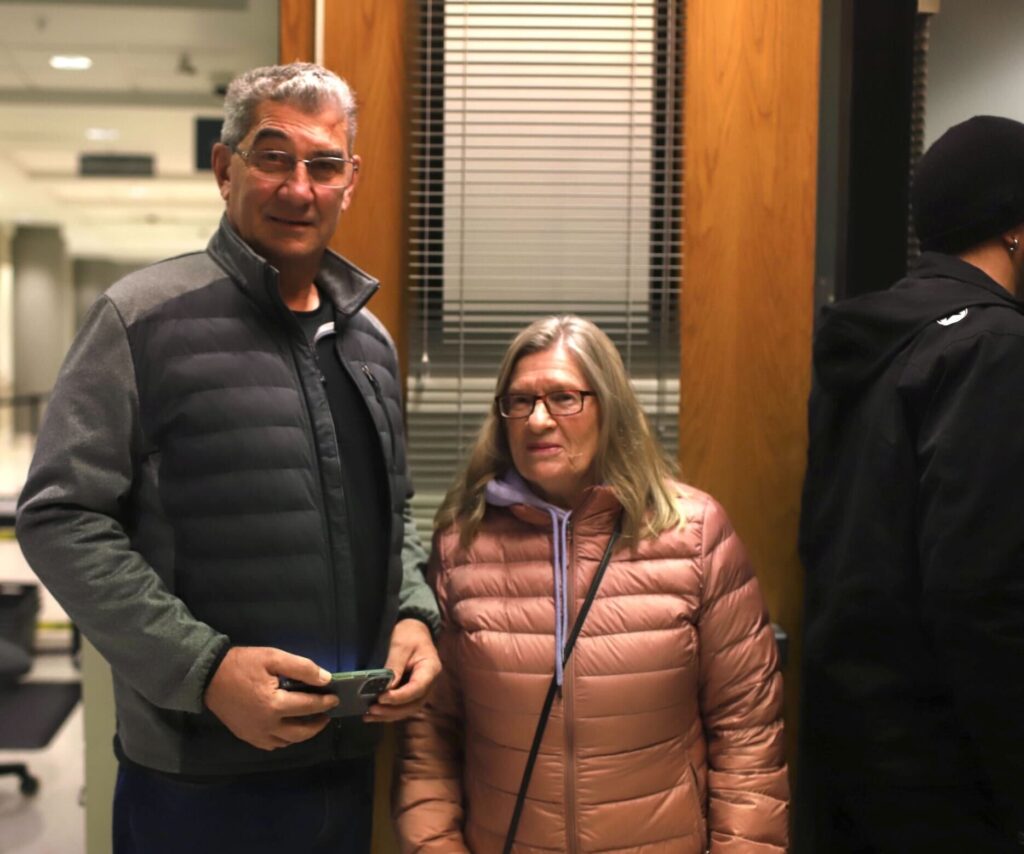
[365, 482]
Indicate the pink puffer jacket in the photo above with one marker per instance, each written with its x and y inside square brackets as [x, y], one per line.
[667, 735]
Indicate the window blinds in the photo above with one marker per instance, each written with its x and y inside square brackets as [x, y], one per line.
[546, 178]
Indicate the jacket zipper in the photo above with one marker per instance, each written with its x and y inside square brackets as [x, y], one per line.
[317, 453]
[388, 469]
[379, 394]
[568, 707]
[319, 369]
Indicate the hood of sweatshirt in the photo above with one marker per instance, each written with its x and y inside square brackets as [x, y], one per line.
[859, 337]
[511, 489]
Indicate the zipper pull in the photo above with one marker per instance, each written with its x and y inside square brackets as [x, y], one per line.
[373, 382]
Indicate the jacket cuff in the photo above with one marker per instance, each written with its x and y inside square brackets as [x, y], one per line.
[428, 618]
[214, 666]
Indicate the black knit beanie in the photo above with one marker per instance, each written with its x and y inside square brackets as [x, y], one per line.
[969, 185]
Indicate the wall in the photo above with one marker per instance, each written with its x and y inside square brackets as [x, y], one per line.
[10, 477]
[295, 31]
[92, 276]
[975, 63]
[100, 766]
[43, 303]
[751, 118]
[365, 41]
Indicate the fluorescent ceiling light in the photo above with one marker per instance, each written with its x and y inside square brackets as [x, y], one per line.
[102, 134]
[68, 62]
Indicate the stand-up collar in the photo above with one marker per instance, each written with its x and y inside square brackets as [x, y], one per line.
[347, 287]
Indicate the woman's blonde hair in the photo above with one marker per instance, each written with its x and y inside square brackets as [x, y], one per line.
[628, 458]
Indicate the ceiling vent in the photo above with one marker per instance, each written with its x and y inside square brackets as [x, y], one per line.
[115, 165]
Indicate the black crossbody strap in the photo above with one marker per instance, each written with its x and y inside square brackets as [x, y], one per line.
[549, 700]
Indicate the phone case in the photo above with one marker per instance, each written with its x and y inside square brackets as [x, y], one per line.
[356, 690]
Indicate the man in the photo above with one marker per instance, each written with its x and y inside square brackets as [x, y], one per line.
[912, 531]
[219, 499]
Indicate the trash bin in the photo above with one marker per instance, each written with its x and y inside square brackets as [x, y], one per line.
[19, 610]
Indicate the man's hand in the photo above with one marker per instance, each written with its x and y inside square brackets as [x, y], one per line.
[246, 696]
[412, 652]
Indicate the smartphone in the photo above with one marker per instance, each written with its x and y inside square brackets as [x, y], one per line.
[356, 690]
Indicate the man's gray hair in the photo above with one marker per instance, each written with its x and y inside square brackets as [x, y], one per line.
[308, 86]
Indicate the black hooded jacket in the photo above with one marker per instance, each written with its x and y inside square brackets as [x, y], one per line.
[912, 536]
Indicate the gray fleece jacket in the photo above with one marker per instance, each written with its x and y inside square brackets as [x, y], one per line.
[186, 494]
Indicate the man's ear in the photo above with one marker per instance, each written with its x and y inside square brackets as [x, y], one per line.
[350, 190]
[220, 160]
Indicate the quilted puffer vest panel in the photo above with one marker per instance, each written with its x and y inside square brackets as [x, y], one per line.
[220, 396]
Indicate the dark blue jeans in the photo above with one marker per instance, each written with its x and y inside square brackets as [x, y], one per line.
[323, 809]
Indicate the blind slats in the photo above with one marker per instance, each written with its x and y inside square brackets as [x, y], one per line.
[547, 154]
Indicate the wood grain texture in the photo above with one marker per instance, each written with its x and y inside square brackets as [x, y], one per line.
[751, 119]
[366, 42]
[295, 25]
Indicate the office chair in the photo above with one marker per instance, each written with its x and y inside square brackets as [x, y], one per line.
[14, 663]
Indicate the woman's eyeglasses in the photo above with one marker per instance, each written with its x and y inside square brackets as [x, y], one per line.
[565, 402]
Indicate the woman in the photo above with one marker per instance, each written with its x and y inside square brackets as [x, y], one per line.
[665, 734]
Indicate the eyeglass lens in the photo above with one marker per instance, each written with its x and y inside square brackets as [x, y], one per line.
[556, 403]
[331, 171]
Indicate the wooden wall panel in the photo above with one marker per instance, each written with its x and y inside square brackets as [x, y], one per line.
[751, 117]
[366, 42]
[296, 27]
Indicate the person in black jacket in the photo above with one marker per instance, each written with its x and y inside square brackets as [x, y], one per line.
[219, 498]
[912, 530]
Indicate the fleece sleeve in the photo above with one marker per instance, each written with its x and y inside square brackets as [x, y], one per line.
[72, 517]
[415, 597]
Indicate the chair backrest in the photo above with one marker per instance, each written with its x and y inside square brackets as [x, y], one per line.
[14, 661]
[19, 609]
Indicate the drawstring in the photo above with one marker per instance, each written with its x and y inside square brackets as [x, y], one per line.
[511, 490]
[559, 563]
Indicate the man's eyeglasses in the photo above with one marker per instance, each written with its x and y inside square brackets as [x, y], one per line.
[334, 172]
[565, 402]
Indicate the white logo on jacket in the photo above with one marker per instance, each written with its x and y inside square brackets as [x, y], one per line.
[953, 318]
